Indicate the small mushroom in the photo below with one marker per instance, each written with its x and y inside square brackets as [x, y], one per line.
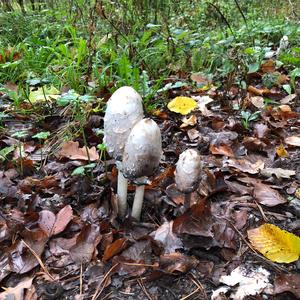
[187, 173]
[124, 109]
[142, 154]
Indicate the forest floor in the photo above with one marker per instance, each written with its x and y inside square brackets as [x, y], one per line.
[60, 237]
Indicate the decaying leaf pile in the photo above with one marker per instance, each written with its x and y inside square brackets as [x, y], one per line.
[60, 237]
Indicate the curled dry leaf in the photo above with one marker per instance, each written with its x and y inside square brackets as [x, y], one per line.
[293, 141]
[245, 165]
[116, 247]
[288, 99]
[278, 172]
[72, 151]
[274, 243]
[177, 262]
[266, 195]
[221, 149]
[191, 121]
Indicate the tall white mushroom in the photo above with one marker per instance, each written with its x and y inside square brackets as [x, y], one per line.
[142, 154]
[187, 173]
[124, 109]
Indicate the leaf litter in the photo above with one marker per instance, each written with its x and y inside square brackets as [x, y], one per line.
[62, 230]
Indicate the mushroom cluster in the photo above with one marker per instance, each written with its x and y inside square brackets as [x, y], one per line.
[134, 142]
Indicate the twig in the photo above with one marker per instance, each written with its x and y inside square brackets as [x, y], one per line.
[191, 294]
[39, 260]
[80, 281]
[141, 284]
[99, 289]
[200, 286]
[262, 212]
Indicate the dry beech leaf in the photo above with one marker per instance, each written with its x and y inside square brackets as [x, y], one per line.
[256, 91]
[182, 105]
[274, 243]
[222, 149]
[177, 262]
[114, 248]
[245, 165]
[278, 172]
[288, 99]
[191, 121]
[293, 141]
[71, 150]
[268, 66]
[53, 224]
[267, 196]
[257, 101]
[281, 152]
[200, 79]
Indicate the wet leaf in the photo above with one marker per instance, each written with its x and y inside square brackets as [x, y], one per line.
[17, 292]
[177, 262]
[86, 243]
[72, 151]
[63, 217]
[267, 196]
[165, 235]
[274, 243]
[182, 105]
[21, 258]
[287, 283]
[196, 221]
[114, 248]
[293, 141]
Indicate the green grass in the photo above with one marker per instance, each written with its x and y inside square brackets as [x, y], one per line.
[138, 45]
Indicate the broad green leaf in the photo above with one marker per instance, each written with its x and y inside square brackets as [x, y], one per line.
[43, 135]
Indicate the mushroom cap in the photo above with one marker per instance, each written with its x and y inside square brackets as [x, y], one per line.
[143, 150]
[188, 170]
[124, 109]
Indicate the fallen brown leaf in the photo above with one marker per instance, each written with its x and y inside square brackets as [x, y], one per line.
[267, 196]
[71, 150]
[293, 141]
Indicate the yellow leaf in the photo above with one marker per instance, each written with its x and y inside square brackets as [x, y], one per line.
[274, 243]
[182, 105]
[281, 152]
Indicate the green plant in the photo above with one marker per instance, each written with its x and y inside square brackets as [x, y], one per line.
[248, 117]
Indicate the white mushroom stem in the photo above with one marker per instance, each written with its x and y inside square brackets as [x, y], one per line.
[138, 202]
[122, 194]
